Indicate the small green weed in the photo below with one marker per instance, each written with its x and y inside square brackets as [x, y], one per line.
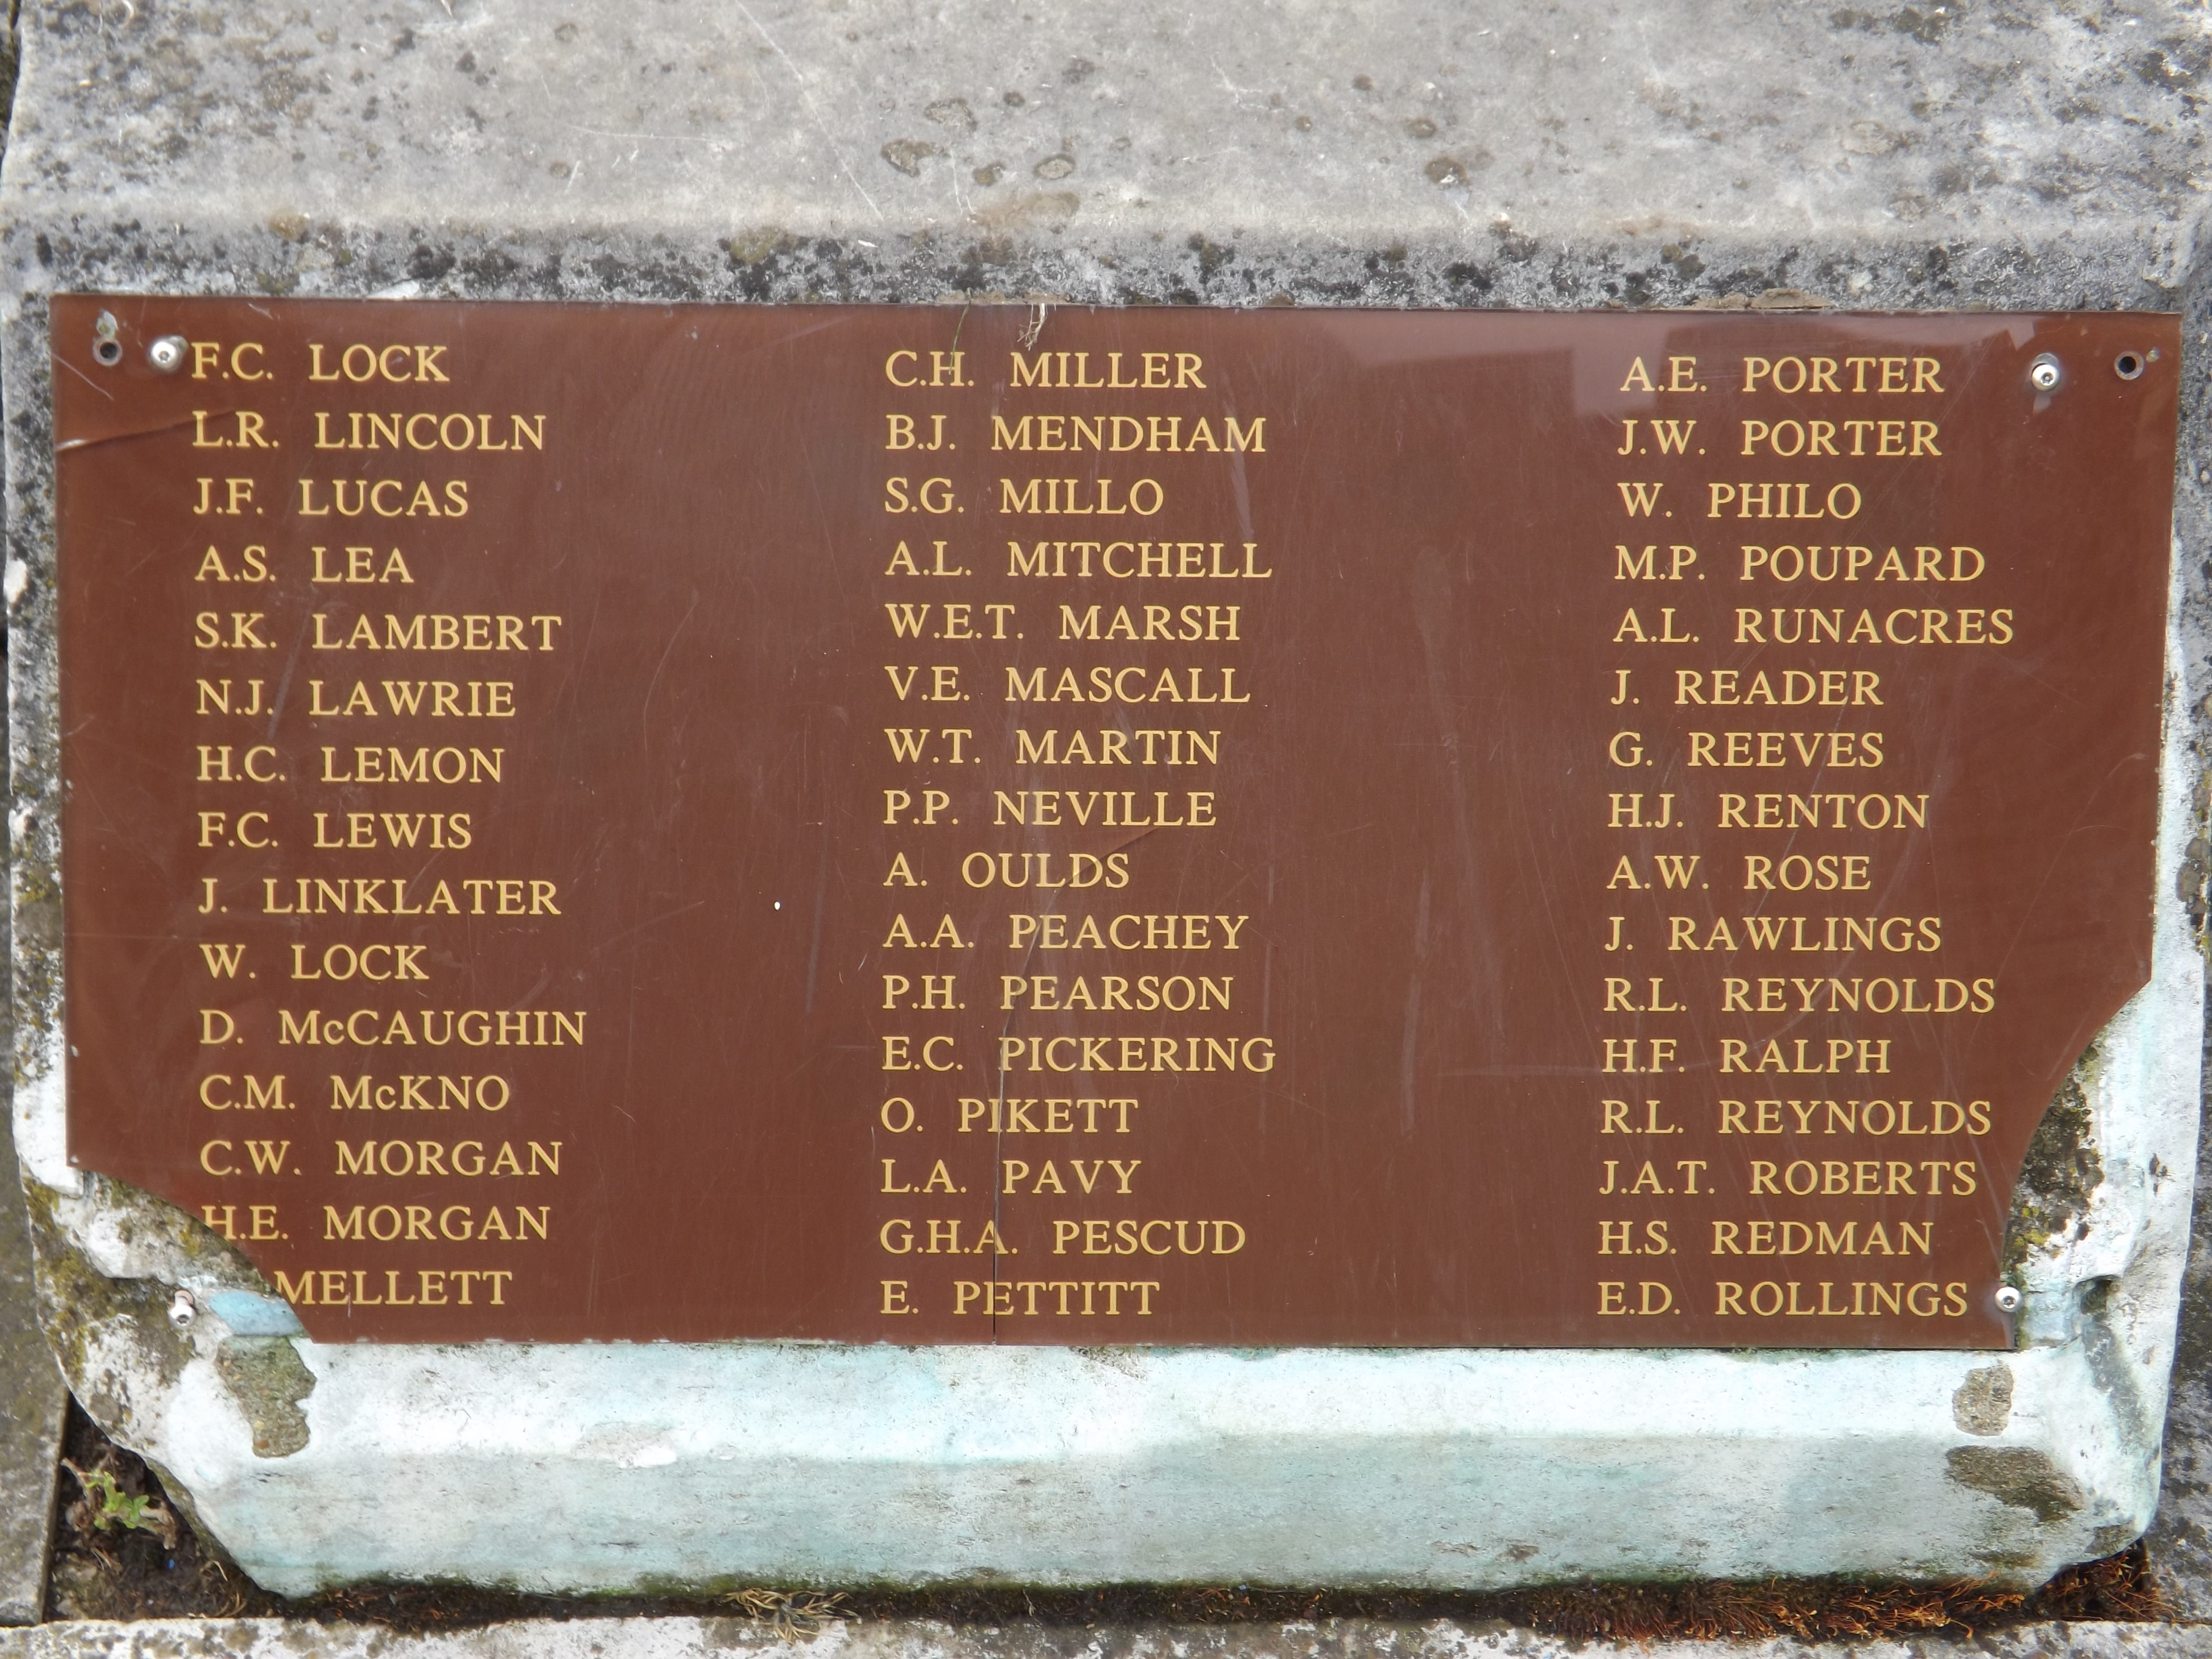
[106, 1505]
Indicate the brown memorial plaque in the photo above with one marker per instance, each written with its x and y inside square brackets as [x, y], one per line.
[984, 824]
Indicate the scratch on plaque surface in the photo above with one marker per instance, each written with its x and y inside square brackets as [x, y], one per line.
[1123, 845]
[644, 732]
[1408, 1053]
[155, 430]
[88, 380]
[821, 908]
[601, 946]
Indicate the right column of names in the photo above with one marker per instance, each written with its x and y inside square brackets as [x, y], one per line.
[1771, 1142]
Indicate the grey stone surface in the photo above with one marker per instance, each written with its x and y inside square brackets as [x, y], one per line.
[2181, 1536]
[1484, 153]
[1677, 152]
[682, 1638]
[31, 1401]
[32, 1397]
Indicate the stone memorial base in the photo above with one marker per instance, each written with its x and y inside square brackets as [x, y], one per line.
[721, 1466]
[682, 1638]
[1579, 158]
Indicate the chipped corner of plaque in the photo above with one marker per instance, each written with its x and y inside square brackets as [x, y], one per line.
[144, 1306]
[2099, 1211]
[2103, 1195]
[134, 1294]
[2099, 1215]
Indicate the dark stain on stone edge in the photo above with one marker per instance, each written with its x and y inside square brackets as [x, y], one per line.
[2018, 1476]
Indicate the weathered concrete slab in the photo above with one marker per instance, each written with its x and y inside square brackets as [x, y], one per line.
[2181, 1536]
[32, 1399]
[679, 1639]
[1580, 155]
[32, 1402]
[1334, 154]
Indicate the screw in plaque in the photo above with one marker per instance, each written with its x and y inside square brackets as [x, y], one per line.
[2007, 1298]
[2045, 374]
[166, 355]
[107, 349]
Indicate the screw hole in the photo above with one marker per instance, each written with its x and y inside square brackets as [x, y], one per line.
[2129, 365]
[107, 352]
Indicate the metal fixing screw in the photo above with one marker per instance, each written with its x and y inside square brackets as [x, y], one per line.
[183, 1310]
[2045, 374]
[2007, 1298]
[107, 349]
[166, 355]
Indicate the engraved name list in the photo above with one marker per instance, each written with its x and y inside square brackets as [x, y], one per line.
[1020, 824]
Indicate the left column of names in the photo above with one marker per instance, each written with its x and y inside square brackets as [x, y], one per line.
[365, 645]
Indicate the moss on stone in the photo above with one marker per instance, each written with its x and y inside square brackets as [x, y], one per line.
[2061, 1171]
